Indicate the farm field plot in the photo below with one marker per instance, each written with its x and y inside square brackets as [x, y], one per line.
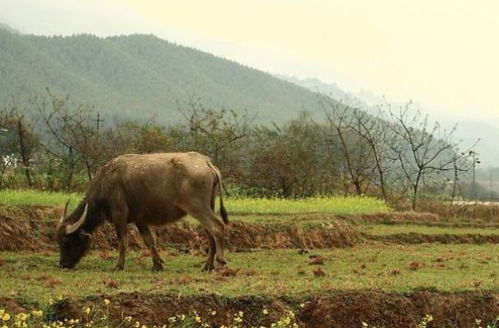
[339, 266]
[392, 268]
[245, 206]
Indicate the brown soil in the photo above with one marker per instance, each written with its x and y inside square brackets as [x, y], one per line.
[398, 217]
[418, 238]
[336, 309]
[27, 228]
[32, 228]
[11, 305]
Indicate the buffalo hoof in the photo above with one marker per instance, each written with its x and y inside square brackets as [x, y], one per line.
[208, 267]
[157, 267]
[221, 262]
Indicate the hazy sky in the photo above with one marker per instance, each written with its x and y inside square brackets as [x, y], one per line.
[441, 53]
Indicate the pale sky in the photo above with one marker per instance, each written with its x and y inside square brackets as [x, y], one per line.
[443, 54]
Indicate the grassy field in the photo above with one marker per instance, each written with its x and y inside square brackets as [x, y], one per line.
[272, 272]
[335, 205]
[401, 256]
[32, 197]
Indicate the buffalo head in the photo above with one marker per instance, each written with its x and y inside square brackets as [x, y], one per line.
[73, 241]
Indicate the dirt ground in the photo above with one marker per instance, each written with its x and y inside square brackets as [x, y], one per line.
[339, 309]
[32, 228]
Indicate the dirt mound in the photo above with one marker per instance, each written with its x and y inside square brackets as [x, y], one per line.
[399, 310]
[11, 305]
[398, 217]
[27, 227]
[33, 228]
[337, 309]
[418, 238]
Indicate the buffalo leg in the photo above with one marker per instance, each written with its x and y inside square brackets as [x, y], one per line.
[209, 265]
[150, 241]
[121, 232]
[217, 229]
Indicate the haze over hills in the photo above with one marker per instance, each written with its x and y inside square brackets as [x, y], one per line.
[140, 76]
[468, 131]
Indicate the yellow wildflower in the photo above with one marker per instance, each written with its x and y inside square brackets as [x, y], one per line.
[128, 319]
[213, 312]
[6, 317]
[86, 310]
[37, 313]
[197, 318]
[107, 302]
[22, 317]
[265, 311]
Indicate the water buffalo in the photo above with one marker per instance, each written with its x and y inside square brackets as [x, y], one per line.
[150, 189]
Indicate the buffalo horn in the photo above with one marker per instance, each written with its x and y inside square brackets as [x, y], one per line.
[63, 216]
[70, 228]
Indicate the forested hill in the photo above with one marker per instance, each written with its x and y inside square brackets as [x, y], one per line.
[140, 76]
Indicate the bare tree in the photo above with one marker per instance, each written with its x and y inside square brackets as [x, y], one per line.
[75, 135]
[343, 138]
[217, 133]
[377, 136]
[421, 150]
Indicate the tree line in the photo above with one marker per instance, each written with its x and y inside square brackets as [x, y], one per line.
[394, 154]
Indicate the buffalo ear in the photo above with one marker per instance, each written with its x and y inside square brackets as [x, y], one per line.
[70, 228]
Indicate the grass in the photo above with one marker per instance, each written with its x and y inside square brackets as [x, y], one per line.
[267, 272]
[330, 205]
[32, 197]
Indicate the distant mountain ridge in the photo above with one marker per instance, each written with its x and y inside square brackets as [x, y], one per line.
[141, 76]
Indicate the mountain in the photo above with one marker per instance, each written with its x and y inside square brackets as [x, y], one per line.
[8, 28]
[141, 76]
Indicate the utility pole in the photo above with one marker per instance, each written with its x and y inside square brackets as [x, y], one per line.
[490, 186]
[476, 160]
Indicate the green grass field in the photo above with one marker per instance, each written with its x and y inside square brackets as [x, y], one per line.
[333, 205]
[381, 259]
[271, 272]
